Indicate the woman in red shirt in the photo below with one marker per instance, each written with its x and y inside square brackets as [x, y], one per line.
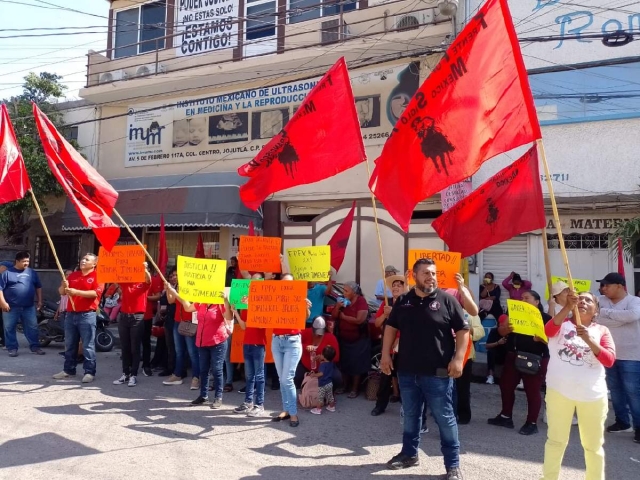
[215, 323]
[314, 339]
[353, 336]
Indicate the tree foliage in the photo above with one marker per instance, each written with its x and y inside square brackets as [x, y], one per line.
[629, 233]
[44, 89]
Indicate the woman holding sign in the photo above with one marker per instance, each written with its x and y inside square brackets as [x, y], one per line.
[576, 382]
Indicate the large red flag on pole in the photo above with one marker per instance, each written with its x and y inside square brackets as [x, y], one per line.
[340, 239]
[321, 140]
[475, 105]
[507, 204]
[14, 181]
[199, 248]
[163, 253]
[91, 195]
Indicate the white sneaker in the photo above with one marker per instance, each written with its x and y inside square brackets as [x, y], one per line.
[256, 411]
[122, 380]
[88, 378]
[62, 376]
[133, 381]
[490, 380]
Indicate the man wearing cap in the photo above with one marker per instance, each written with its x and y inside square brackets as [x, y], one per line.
[381, 291]
[621, 313]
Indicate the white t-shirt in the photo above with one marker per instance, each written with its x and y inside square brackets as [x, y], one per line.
[574, 371]
[623, 321]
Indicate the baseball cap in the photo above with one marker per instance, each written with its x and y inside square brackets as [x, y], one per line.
[391, 268]
[613, 278]
[319, 325]
[558, 287]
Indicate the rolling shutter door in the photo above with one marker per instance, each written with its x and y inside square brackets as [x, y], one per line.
[504, 258]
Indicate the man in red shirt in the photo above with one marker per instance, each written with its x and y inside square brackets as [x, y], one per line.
[130, 327]
[84, 293]
[153, 297]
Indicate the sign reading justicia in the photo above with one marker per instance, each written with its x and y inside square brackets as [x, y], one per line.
[206, 26]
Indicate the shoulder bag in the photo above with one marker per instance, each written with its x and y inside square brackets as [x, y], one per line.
[528, 363]
[187, 329]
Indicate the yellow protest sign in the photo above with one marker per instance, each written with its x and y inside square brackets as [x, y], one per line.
[123, 264]
[578, 285]
[310, 263]
[447, 265]
[201, 279]
[526, 319]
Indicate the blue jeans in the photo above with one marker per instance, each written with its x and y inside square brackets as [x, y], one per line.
[212, 358]
[228, 366]
[184, 345]
[254, 372]
[79, 326]
[623, 380]
[287, 351]
[29, 325]
[437, 392]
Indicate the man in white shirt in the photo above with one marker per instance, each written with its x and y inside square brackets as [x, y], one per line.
[621, 313]
[381, 289]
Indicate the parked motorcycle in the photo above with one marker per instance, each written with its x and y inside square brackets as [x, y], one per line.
[50, 330]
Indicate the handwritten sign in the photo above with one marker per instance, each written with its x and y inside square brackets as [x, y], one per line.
[260, 254]
[201, 279]
[447, 265]
[123, 264]
[310, 263]
[277, 304]
[578, 285]
[239, 292]
[526, 319]
[237, 343]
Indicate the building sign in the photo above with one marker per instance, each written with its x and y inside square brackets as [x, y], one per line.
[206, 26]
[600, 224]
[235, 125]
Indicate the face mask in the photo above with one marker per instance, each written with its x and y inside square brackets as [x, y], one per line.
[487, 281]
[517, 287]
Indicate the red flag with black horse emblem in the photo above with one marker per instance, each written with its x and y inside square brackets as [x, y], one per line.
[14, 181]
[321, 140]
[475, 105]
[507, 204]
[91, 195]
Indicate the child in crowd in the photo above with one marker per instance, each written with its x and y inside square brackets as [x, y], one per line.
[325, 381]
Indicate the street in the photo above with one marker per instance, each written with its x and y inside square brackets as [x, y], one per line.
[62, 430]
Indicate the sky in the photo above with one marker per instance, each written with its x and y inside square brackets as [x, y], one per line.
[64, 55]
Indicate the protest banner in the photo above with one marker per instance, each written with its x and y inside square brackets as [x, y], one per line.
[239, 293]
[260, 254]
[579, 285]
[447, 265]
[310, 263]
[526, 319]
[237, 342]
[123, 264]
[202, 279]
[277, 304]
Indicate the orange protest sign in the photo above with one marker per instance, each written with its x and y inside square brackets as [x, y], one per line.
[260, 254]
[123, 264]
[277, 304]
[447, 265]
[237, 342]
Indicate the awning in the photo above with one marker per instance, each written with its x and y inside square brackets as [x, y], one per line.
[202, 200]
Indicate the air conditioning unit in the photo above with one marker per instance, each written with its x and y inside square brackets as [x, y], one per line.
[144, 70]
[113, 76]
[413, 20]
[333, 31]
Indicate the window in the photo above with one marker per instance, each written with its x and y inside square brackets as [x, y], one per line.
[261, 19]
[71, 134]
[138, 28]
[580, 241]
[67, 248]
[303, 10]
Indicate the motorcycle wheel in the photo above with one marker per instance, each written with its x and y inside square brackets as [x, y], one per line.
[104, 341]
[43, 336]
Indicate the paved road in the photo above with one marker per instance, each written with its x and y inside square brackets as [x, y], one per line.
[62, 430]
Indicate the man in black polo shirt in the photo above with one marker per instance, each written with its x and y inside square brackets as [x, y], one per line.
[429, 358]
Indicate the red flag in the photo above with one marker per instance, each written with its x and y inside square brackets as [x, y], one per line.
[252, 230]
[475, 105]
[340, 239]
[200, 248]
[91, 195]
[620, 259]
[163, 254]
[321, 140]
[14, 181]
[507, 204]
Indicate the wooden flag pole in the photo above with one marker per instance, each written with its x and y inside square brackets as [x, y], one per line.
[46, 232]
[556, 218]
[133, 235]
[375, 219]
[547, 262]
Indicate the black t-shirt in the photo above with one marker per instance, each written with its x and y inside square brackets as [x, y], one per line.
[426, 325]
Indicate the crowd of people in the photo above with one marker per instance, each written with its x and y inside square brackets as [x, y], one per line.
[426, 356]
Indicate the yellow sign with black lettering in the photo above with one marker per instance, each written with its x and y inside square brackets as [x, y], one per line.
[202, 280]
[526, 319]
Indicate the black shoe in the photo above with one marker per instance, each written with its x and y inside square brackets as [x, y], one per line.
[165, 373]
[500, 421]
[401, 461]
[278, 418]
[464, 420]
[376, 412]
[619, 428]
[529, 429]
[147, 372]
[454, 473]
[636, 437]
[243, 390]
[200, 401]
